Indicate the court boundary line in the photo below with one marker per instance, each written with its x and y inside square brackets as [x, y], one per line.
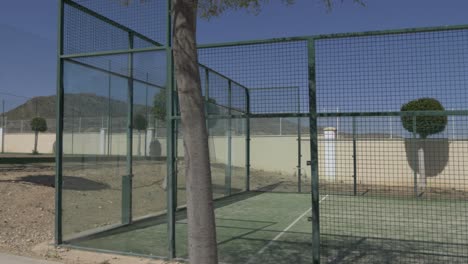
[283, 232]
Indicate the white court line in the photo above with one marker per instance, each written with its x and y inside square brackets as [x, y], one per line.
[284, 231]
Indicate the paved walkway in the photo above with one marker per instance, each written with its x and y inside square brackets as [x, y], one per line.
[9, 259]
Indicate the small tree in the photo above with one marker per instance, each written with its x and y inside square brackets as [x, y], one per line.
[159, 109]
[140, 123]
[38, 124]
[424, 125]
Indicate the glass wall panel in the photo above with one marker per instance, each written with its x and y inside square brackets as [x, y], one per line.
[94, 156]
[149, 161]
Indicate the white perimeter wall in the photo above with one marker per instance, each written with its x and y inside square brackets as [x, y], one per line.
[380, 162]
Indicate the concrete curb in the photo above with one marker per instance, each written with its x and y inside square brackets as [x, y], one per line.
[11, 259]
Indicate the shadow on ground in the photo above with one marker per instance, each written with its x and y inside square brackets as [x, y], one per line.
[69, 182]
[338, 249]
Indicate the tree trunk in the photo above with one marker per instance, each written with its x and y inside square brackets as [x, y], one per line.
[200, 210]
[35, 141]
[139, 142]
[421, 166]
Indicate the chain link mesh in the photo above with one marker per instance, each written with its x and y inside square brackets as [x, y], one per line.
[392, 183]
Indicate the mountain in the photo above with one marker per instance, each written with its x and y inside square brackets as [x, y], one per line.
[78, 105]
[43, 106]
[95, 106]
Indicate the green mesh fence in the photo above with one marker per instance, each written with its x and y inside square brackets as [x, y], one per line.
[389, 192]
[275, 73]
[388, 186]
[91, 26]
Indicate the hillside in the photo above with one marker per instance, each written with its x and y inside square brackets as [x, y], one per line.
[83, 105]
[94, 106]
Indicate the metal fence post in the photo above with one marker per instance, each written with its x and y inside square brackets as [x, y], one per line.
[59, 128]
[155, 125]
[3, 126]
[228, 179]
[72, 132]
[299, 147]
[170, 136]
[314, 153]
[453, 125]
[391, 126]
[175, 155]
[109, 110]
[127, 179]
[79, 125]
[207, 100]
[247, 141]
[146, 116]
[280, 126]
[415, 156]
[354, 158]
[207, 92]
[337, 124]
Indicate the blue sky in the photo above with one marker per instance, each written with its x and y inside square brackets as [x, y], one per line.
[28, 30]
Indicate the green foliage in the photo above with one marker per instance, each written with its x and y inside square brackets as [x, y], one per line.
[213, 8]
[38, 124]
[159, 109]
[159, 103]
[329, 3]
[425, 125]
[139, 122]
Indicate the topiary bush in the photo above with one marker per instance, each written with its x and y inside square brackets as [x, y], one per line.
[159, 108]
[425, 125]
[140, 124]
[38, 124]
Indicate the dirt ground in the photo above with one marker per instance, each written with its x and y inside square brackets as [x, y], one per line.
[26, 209]
[27, 218]
[91, 197]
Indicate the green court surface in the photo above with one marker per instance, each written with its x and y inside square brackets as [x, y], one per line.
[260, 227]
[366, 229]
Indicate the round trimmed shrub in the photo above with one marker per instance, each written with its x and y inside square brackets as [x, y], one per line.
[425, 125]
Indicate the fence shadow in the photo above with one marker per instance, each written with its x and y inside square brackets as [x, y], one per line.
[69, 182]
